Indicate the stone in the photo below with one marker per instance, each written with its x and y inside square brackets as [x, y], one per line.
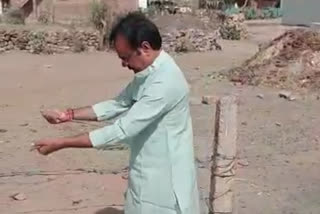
[19, 197]
[3, 130]
[284, 94]
[209, 99]
[33, 131]
[261, 96]
[76, 202]
[287, 95]
[292, 98]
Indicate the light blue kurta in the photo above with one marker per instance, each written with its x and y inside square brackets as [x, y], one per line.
[157, 127]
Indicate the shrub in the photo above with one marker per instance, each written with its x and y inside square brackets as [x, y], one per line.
[14, 16]
[37, 42]
[44, 17]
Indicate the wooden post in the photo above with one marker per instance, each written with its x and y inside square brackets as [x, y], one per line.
[224, 157]
[53, 11]
[35, 9]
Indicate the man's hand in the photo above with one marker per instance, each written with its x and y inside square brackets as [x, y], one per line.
[48, 146]
[56, 116]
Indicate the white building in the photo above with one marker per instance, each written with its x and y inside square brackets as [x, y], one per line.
[1, 7]
[143, 4]
[301, 12]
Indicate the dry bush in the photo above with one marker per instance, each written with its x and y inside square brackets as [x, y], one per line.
[102, 17]
[44, 17]
[37, 42]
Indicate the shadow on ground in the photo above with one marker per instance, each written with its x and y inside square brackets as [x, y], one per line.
[109, 210]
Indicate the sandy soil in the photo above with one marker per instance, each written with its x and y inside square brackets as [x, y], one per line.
[279, 139]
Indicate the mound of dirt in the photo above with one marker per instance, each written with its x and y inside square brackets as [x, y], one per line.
[291, 61]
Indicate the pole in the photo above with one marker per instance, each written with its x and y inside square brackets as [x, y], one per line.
[224, 157]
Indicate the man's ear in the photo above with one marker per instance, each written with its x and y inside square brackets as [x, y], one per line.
[146, 46]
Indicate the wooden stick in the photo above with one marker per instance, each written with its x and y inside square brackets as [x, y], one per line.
[224, 157]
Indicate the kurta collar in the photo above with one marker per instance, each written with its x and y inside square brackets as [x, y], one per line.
[154, 66]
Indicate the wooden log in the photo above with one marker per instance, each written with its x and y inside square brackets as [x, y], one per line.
[224, 157]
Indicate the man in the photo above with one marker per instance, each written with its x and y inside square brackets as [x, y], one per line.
[157, 124]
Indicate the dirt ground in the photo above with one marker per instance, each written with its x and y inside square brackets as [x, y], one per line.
[278, 139]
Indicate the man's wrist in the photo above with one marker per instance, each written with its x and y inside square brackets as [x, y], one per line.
[80, 141]
[62, 143]
[70, 114]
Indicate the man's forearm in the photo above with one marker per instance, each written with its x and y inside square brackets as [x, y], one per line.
[85, 113]
[80, 141]
[47, 146]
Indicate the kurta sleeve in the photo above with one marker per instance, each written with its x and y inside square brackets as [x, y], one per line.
[112, 108]
[150, 107]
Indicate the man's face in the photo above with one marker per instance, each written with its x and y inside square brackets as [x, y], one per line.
[133, 59]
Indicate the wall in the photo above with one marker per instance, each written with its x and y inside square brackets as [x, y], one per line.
[66, 11]
[48, 41]
[188, 3]
[300, 12]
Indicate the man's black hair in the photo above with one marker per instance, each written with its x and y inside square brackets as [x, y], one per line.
[136, 28]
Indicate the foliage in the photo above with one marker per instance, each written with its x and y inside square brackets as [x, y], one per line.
[250, 13]
[253, 13]
[37, 42]
[217, 4]
[232, 10]
[271, 12]
[14, 16]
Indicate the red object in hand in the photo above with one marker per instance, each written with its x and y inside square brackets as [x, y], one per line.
[56, 116]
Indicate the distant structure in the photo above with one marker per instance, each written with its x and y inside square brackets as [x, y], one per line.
[143, 4]
[27, 6]
[3, 4]
[301, 12]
